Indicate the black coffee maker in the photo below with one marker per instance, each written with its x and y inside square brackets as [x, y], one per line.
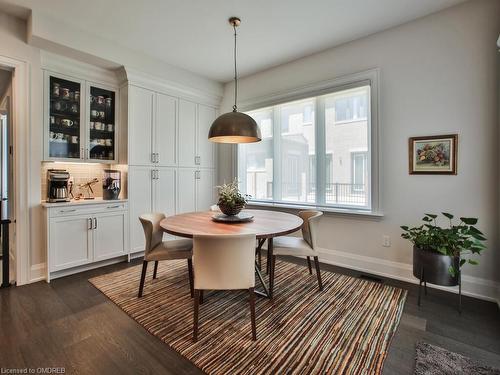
[57, 185]
[111, 184]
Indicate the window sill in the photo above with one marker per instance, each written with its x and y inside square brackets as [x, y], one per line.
[326, 210]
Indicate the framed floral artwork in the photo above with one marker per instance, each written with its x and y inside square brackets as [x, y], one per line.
[435, 154]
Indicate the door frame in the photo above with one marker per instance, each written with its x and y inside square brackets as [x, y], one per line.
[21, 130]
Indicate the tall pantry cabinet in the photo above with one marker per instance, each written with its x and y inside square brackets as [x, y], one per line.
[171, 162]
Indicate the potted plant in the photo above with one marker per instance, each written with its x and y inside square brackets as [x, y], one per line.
[231, 201]
[440, 252]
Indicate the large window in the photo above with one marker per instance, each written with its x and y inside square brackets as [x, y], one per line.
[314, 152]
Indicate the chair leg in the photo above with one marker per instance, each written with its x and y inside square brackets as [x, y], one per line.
[260, 258]
[309, 265]
[318, 272]
[195, 314]
[143, 277]
[201, 297]
[191, 279]
[155, 270]
[251, 294]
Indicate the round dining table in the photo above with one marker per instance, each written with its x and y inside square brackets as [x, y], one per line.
[265, 225]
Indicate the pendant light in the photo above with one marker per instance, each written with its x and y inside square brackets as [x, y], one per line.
[234, 127]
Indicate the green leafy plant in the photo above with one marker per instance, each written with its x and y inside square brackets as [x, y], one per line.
[230, 195]
[457, 240]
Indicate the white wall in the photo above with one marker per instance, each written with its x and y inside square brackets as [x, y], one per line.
[438, 75]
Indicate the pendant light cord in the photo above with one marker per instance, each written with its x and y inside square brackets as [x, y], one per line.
[235, 72]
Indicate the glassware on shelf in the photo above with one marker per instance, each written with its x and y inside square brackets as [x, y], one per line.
[101, 124]
[64, 118]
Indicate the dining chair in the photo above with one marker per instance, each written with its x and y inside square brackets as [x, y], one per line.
[156, 249]
[224, 262]
[305, 246]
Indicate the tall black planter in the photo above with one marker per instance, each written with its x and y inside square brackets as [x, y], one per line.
[432, 267]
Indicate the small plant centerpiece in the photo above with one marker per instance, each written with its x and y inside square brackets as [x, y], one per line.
[231, 201]
[440, 252]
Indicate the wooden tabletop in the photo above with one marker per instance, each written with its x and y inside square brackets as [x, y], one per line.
[265, 224]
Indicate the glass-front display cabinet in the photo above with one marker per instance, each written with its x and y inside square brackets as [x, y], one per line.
[101, 124]
[80, 120]
[64, 118]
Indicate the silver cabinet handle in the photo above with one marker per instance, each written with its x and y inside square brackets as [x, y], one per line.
[117, 206]
[157, 157]
[152, 174]
[95, 223]
[197, 175]
[64, 211]
[153, 157]
[157, 174]
[89, 223]
[197, 160]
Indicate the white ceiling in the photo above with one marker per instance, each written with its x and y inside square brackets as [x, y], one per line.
[195, 35]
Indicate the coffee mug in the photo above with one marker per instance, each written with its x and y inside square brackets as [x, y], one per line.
[60, 106]
[102, 114]
[52, 135]
[108, 142]
[66, 122]
[52, 120]
[110, 127]
[77, 96]
[98, 125]
[74, 108]
[102, 142]
[91, 125]
[59, 136]
[55, 89]
[65, 93]
[108, 102]
[94, 113]
[74, 139]
[100, 99]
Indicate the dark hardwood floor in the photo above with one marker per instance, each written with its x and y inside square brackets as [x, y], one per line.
[69, 323]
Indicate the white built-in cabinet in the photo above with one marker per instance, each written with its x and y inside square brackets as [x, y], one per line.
[171, 162]
[81, 234]
[81, 121]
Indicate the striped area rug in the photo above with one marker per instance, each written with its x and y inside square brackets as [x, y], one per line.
[346, 329]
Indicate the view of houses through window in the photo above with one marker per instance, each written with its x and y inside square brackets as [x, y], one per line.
[289, 165]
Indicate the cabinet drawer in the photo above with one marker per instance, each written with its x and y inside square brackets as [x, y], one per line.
[87, 209]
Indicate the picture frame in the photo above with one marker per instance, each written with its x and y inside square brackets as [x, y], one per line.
[436, 154]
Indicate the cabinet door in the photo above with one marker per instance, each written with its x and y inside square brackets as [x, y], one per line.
[102, 113]
[206, 149]
[164, 197]
[186, 190]
[164, 191]
[140, 126]
[64, 116]
[205, 189]
[165, 130]
[187, 133]
[70, 242]
[109, 235]
[140, 202]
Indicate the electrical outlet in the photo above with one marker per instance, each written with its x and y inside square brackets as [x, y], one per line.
[386, 241]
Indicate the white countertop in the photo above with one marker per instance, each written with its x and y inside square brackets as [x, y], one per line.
[82, 202]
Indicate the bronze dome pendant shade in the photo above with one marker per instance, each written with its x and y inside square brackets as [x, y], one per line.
[234, 127]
